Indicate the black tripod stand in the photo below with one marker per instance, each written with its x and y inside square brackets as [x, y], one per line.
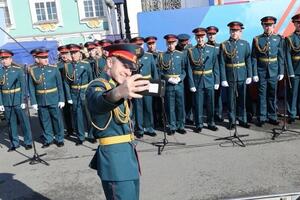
[284, 129]
[36, 158]
[161, 145]
[235, 138]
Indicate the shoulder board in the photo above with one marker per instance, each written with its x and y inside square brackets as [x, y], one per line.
[178, 51]
[33, 67]
[84, 61]
[209, 45]
[52, 65]
[148, 53]
[17, 67]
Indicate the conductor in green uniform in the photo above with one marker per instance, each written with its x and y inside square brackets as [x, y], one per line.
[107, 98]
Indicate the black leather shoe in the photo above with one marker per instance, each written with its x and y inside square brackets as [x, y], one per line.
[260, 123]
[152, 134]
[60, 144]
[244, 124]
[231, 126]
[291, 120]
[11, 149]
[274, 122]
[139, 135]
[181, 131]
[189, 122]
[46, 145]
[79, 142]
[28, 146]
[198, 130]
[91, 140]
[218, 119]
[171, 132]
[212, 128]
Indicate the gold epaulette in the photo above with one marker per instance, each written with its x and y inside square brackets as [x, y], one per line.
[210, 45]
[52, 65]
[178, 51]
[16, 65]
[84, 61]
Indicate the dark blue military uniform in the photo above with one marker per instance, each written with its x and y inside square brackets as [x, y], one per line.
[268, 64]
[235, 66]
[203, 74]
[77, 76]
[116, 158]
[172, 65]
[46, 90]
[12, 95]
[293, 64]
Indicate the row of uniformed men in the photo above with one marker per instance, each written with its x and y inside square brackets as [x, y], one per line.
[206, 66]
[201, 69]
[49, 87]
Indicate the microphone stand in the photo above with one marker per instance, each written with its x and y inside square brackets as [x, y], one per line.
[284, 129]
[236, 137]
[161, 145]
[36, 158]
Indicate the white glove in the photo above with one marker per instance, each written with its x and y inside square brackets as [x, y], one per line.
[23, 106]
[216, 86]
[248, 81]
[280, 77]
[193, 89]
[177, 80]
[292, 76]
[35, 106]
[2, 108]
[224, 84]
[70, 102]
[61, 104]
[255, 79]
[172, 80]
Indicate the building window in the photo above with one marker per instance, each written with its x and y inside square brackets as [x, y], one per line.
[5, 4]
[90, 9]
[152, 5]
[45, 11]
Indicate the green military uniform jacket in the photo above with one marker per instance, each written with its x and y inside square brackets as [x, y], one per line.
[12, 79]
[203, 67]
[235, 60]
[267, 56]
[45, 85]
[117, 162]
[293, 54]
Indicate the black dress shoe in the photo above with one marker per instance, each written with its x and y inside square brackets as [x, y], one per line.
[189, 122]
[171, 132]
[291, 120]
[46, 145]
[231, 126]
[11, 149]
[60, 144]
[79, 142]
[91, 140]
[244, 124]
[274, 122]
[28, 146]
[152, 134]
[181, 131]
[218, 119]
[212, 128]
[198, 130]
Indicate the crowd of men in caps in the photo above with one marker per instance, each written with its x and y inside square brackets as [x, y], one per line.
[196, 76]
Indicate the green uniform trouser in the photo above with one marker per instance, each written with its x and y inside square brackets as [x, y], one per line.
[11, 115]
[267, 91]
[237, 101]
[293, 96]
[52, 124]
[143, 115]
[204, 95]
[121, 190]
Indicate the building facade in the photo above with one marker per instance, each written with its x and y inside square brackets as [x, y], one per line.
[66, 21]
